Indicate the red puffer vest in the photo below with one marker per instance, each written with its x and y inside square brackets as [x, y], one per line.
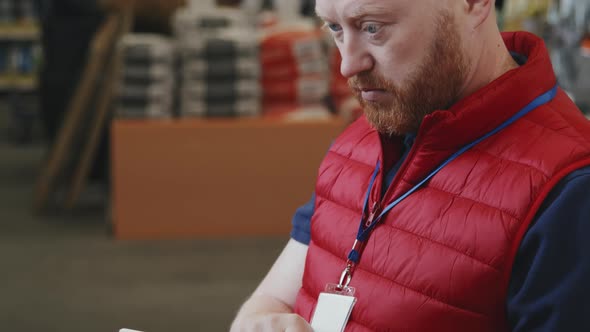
[442, 259]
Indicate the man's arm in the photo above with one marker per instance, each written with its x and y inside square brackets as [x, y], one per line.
[549, 287]
[270, 308]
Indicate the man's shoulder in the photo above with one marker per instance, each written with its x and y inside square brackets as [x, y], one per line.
[575, 179]
[568, 196]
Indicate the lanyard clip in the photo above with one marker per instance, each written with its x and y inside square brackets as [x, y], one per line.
[346, 276]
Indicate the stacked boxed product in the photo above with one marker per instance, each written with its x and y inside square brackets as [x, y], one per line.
[146, 88]
[295, 69]
[195, 23]
[219, 64]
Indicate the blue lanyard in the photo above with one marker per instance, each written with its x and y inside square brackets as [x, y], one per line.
[366, 226]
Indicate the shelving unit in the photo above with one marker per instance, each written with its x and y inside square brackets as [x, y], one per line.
[14, 39]
[29, 32]
[18, 84]
[19, 65]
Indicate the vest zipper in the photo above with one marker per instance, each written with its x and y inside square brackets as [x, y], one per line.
[373, 213]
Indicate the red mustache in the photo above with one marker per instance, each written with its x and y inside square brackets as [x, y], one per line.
[369, 81]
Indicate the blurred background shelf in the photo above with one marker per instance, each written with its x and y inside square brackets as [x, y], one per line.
[18, 84]
[18, 33]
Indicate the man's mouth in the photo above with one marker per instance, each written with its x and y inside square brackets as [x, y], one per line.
[368, 88]
[374, 94]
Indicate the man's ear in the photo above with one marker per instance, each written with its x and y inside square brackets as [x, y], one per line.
[477, 11]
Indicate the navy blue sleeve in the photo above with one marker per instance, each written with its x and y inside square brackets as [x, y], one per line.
[550, 283]
[301, 231]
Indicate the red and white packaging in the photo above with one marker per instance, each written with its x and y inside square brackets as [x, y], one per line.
[303, 90]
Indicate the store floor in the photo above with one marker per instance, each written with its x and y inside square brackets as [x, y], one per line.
[65, 273]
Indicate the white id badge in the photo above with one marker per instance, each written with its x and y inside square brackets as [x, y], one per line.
[333, 309]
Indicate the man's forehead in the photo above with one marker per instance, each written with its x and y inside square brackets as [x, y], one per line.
[354, 8]
[351, 7]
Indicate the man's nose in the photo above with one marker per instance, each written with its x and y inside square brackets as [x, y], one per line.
[355, 58]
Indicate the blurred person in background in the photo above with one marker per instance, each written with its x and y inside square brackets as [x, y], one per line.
[459, 202]
[68, 27]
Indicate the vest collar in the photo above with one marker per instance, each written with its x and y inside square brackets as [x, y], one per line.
[444, 132]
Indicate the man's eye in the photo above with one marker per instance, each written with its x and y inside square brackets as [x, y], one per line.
[334, 27]
[371, 28]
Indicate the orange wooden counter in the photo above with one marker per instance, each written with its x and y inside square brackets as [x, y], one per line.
[213, 178]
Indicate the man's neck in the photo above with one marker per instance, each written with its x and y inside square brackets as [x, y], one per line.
[492, 61]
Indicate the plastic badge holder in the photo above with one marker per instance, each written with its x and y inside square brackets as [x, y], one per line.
[340, 290]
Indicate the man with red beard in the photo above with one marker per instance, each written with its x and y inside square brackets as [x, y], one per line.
[459, 202]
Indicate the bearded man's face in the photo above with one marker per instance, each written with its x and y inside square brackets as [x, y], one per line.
[400, 67]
